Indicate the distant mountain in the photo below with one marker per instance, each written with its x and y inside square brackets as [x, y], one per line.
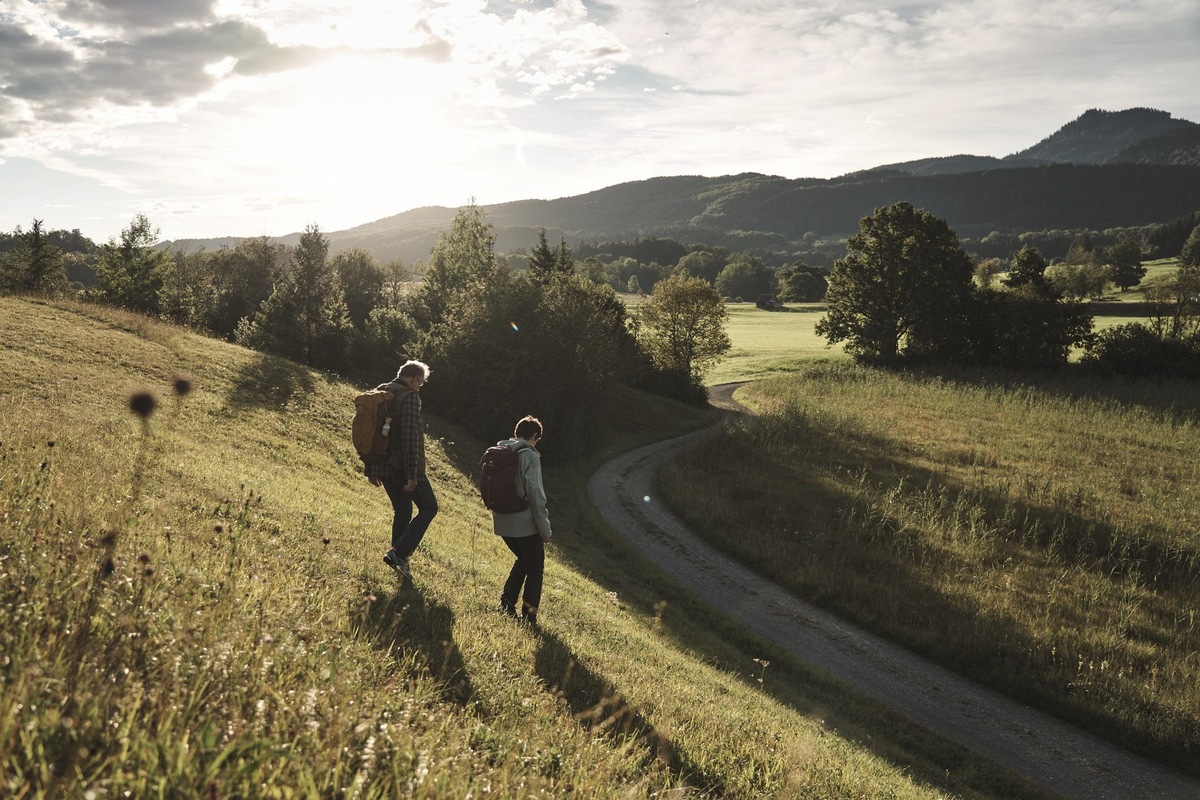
[1098, 136]
[1103, 170]
[1179, 148]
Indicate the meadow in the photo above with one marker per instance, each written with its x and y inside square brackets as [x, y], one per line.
[767, 343]
[193, 604]
[1037, 533]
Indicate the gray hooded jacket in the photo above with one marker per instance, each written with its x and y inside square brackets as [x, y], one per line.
[535, 520]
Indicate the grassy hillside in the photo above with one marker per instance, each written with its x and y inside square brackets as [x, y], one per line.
[1039, 534]
[192, 603]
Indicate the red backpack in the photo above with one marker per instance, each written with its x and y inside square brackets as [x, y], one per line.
[498, 479]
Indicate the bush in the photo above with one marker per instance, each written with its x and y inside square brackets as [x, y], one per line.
[1134, 350]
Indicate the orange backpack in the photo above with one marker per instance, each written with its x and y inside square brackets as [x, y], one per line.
[372, 424]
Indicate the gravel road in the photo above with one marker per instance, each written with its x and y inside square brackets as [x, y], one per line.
[1045, 750]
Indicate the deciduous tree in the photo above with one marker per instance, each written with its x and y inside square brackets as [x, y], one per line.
[1125, 261]
[463, 255]
[682, 326]
[902, 289]
[130, 272]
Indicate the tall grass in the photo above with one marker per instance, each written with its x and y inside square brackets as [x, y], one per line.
[1039, 536]
[192, 604]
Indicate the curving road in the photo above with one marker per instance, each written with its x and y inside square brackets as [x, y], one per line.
[1044, 750]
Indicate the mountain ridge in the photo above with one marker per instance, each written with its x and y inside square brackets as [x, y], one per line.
[1104, 169]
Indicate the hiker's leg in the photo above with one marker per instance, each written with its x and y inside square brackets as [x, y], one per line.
[427, 508]
[402, 505]
[531, 559]
[516, 577]
[535, 562]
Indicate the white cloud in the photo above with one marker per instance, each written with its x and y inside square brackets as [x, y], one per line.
[238, 115]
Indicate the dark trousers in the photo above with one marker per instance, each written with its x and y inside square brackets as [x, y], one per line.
[407, 530]
[527, 569]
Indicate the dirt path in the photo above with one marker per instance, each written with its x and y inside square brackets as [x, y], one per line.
[1044, 750]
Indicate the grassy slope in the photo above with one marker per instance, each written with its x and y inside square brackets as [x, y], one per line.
[197, 604]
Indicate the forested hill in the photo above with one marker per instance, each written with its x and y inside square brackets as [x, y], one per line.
[1150, 174]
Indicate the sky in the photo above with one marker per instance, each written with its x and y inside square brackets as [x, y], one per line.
[260, 117]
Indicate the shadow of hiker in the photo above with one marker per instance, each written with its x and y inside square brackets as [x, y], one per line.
[595, 703]
[405, 619]
[269, 380]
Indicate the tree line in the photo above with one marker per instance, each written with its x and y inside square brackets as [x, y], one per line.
[907, 292]
[505, 342]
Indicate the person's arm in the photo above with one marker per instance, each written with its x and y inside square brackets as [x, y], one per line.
[535, 494]
[410, 439]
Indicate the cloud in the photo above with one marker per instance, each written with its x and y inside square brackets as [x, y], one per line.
[130, 15]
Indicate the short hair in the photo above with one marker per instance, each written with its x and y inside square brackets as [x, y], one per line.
[527, 428]
[413, 369]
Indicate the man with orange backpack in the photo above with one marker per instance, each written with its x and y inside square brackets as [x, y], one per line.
[402, 472]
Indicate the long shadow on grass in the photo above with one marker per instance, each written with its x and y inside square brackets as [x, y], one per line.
[599, 707]
[406, 619]
[269, 381]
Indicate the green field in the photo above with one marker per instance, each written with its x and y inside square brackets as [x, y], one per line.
[771, 342]
[193, 604]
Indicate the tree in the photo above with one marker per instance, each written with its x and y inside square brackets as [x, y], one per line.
[519, 343]
[462, 256]
[188, 294]
[1023, 328]
[682, 325]
[902, 289]
[305, 318]
[542, 260]
[801, 283]
[1189, 256]
[1028, 268]
[1079, 281]
[35, 264]
[362, 281]
[1125, 261]
[1174, 303]
[745, 276]
[703, 264]
[130, 273]
[633, 286]
[987, 270]
[243, 278]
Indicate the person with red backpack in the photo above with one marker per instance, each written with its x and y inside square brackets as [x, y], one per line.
[402, 473]
[509, 483]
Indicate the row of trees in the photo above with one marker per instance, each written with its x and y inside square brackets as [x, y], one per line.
[907, 291]
[504, 342]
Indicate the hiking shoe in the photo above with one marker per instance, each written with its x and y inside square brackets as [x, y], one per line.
[399, 565]
[508, 609]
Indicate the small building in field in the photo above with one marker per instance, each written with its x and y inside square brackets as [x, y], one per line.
[768, 302]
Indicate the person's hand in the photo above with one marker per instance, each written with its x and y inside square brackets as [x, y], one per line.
[411, 486]
[547, 539]
[375, 481]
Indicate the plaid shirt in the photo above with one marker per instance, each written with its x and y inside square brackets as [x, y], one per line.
[407, 460]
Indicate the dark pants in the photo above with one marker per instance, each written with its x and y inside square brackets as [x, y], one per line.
[527, 569]
[407, 530]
